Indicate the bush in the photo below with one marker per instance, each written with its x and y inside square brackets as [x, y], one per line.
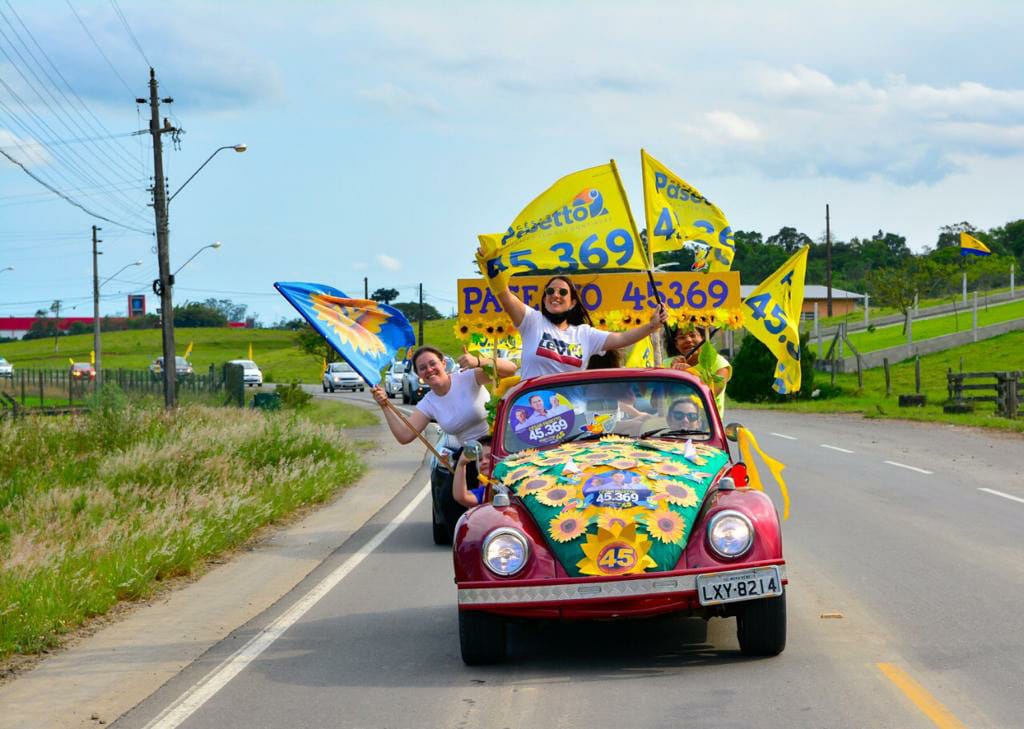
[293, 397]
[753, 371]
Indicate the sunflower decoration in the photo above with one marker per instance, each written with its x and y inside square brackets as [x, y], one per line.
[616, 551]
[537, 483]
[736, 319]
[666, 526]
[622, 463]
[520, 458]
[591, 458]
[721, 318]
[611, 519]
[567, 526]
[668, 468]
[629, 319]
[555, 495]
[477, 327]
[462, 330]
[612, 438]
[521, 472]
[676, 493]
[613, 320]
[500, 330]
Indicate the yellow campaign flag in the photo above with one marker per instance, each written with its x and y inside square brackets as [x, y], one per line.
[581, 223]
[324, 367]
[71, 361]
[773, 316]
[92, 356]
[676, 212]
[188, 351]
[250, 350]
[642, 355]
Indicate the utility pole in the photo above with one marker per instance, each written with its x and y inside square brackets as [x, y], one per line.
[421, 315]
[55, 308]
[366, 287]
[828, 258]
[96, 306]
[162, 286]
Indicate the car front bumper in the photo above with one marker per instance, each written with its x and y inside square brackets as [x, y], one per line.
[634, 596]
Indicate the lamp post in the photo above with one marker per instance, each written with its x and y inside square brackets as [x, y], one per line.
[9, 268]
[216, 244]
[96, 286]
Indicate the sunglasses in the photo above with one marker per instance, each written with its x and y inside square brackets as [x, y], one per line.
[551, 291]
[683, 415]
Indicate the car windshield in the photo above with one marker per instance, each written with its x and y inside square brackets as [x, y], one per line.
[181, 362]
[340, 367]
[637, 407]
[3, 361]
[80, 366]
[246, 364]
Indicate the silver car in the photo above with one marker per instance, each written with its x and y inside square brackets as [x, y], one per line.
[341, 376]
[252, 376]
[6, 368]
[393, 378]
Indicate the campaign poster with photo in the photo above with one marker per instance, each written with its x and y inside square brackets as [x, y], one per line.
[541, 418]
[618, 490]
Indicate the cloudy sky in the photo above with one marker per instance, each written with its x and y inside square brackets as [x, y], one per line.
[384, 136]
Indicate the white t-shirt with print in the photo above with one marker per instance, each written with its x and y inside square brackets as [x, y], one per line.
[548, 349]
[462, 412]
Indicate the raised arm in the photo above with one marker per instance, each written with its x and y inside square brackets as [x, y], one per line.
[618, 340]
[399, 429]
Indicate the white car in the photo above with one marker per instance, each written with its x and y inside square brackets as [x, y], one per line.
[393, 378]
[341, 376]
[252, 376]
[6, 368]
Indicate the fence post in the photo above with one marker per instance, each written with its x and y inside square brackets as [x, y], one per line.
[860, 375]
[817, 329]
[910, 326]
[974, 318]
[888, 380]
[917, 374]
[867, 308]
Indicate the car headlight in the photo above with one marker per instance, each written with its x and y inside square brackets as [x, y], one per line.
[730, 533]
[505, 551]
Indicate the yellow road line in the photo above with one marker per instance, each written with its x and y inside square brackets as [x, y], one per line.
[918, 694]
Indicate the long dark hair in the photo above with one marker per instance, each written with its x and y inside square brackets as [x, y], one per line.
[670, 342]
[576, 315]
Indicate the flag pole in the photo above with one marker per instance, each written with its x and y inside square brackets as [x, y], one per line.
[655, 344]
[396, 411]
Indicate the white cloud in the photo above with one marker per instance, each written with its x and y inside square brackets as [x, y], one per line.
[27, 151]
[391, 264]
[398, 100]
[732, 127]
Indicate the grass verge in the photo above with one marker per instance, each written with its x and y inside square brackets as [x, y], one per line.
[100, 508]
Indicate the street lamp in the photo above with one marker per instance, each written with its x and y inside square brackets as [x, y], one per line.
[163, 285]
[214, 245]
[9, 268]
[96, 286]
[111, 278]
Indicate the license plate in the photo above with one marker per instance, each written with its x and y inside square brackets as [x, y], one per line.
[751, 584]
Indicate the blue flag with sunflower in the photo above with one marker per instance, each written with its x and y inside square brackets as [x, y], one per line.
[365, 333]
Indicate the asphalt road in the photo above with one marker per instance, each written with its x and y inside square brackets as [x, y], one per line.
[906, 570]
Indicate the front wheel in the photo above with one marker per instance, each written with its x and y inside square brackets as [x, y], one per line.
[481, 637]
[324, 386]
[761, 626]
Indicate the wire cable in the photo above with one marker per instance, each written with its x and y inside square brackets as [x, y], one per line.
[100, 49]
[127, 27]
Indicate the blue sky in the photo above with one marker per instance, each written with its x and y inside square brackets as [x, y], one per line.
[384, 136]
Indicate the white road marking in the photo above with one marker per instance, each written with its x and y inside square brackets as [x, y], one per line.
[215, 680]
[1000, 493]
[909, 468]
[835, 448]
[781, 435]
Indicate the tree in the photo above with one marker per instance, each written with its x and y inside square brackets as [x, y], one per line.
[230, 310]
[310, 341]
[384, 296]
[790, 239]
[196, 314]
[949, 235]
[411, 309]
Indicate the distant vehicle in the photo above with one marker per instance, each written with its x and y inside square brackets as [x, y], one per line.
[81, 371]
[393, 378]
[6, 368]
[182, 368]
[341, 376]
[252, 376]
[413, 388]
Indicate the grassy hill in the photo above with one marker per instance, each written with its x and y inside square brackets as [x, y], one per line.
[273, 350]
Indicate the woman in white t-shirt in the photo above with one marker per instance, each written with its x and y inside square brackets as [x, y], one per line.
[456, 401]
[560, 337]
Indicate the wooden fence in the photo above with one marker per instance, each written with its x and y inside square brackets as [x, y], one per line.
[1002, 388]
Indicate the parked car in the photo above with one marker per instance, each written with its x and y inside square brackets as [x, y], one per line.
[393, 378]
[6, 368]
[252, 376]
[341, 376]
[182, 368]
[413, 388]
[82, 371]
[599, 510]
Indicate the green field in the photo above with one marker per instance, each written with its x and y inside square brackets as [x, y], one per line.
[1003, 353]
[273, 350]
[877, 312]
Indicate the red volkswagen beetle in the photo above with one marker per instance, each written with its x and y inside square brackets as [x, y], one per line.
[613, 495]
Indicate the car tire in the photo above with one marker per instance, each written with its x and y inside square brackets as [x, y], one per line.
[761, 626]
[481, 637]
[331, 388]
[324, 386]
[362, 389]
[405, 397]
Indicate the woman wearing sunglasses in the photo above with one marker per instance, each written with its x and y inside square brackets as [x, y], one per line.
[686, 414]
[560, 337]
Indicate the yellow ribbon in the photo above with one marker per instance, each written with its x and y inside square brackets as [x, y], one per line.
[746, 441]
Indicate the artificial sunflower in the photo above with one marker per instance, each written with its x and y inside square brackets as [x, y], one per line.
[535, 484]
[676, 493]
[521, 472]
[614, 519]
[555, 495]
[621, 463]
[567, 526]
[668, 468]
[665, 525]
[735, 318]
[616, 552]
[462, 330]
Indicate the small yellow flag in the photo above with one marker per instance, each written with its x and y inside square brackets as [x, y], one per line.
[188, 351]
[325, 366]
[92, 357]
[250, 350]
[642, 355]
[71, 361]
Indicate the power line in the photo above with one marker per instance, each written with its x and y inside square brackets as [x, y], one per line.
[124, 22]
[98, 48]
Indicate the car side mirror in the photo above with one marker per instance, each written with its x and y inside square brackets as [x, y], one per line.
[732, 431]
[473, 450]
